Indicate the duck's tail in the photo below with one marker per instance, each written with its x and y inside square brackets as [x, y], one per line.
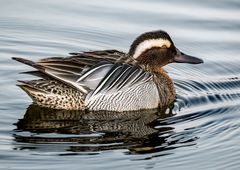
[53, 94]
[51, 91]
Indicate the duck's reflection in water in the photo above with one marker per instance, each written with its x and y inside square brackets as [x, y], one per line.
[97, 131]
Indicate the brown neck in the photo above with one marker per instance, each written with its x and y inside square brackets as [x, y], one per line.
[153, 69]
[165, 86]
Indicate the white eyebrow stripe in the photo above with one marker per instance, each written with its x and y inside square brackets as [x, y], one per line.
[147, 44]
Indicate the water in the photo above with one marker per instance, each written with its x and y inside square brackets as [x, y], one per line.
[200, 132]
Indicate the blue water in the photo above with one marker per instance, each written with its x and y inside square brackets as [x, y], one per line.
[200, 132]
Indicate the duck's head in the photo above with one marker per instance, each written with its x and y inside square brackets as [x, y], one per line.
[156, 49]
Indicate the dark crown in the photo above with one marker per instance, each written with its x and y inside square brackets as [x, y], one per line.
[159, 34]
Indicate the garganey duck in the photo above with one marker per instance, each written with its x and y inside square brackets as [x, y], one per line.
[108, 80]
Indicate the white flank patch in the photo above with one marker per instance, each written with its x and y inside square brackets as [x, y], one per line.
[147, 44]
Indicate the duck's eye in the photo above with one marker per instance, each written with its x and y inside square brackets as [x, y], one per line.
[164, 46]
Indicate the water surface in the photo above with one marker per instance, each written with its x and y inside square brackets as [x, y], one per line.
[201, 130]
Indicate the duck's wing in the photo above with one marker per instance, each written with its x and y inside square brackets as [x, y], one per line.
[83, 71]
[120, 77]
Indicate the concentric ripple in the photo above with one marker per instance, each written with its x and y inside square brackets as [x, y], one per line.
[199, 131]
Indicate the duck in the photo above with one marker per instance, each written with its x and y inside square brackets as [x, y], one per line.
[108, 80]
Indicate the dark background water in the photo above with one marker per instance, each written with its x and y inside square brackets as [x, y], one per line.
[200, 132]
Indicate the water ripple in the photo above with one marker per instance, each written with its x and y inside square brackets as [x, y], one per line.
[200, 131]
